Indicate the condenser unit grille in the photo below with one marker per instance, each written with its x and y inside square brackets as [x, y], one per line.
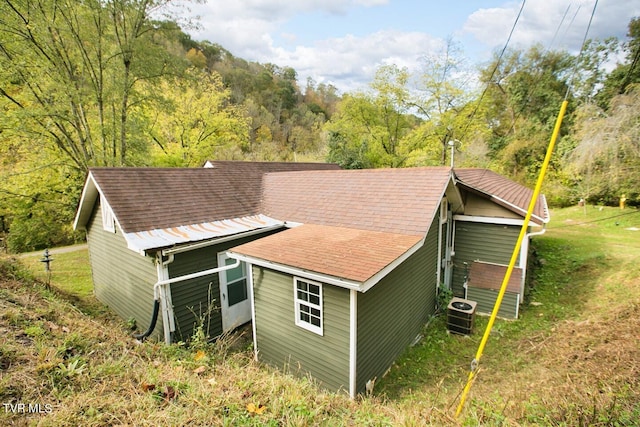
[461, 314]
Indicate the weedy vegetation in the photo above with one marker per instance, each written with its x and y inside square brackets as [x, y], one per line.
[573, 357]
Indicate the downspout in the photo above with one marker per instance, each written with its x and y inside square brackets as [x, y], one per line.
[253, 310]
[160, 266]
[353, 343]
[159, 290]
[524, 254]
[440, 253]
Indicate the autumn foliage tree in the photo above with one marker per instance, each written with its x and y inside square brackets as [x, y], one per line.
[196, 122]
[105, 83]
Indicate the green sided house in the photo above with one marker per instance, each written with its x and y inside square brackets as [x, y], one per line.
[484, 235]
[337, 270]
[148, 229]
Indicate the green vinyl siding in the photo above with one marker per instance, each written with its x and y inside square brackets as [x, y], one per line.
[296, 350]
[198, 300]
[486, 299]
[393, 312]
[476, 241]
[122, 278]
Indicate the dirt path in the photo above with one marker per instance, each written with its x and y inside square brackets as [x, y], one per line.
[54, 251]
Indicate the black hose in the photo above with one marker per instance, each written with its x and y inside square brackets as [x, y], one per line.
[152, 326]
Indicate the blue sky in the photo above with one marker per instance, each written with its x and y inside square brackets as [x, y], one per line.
[343, 42]
[397, 15]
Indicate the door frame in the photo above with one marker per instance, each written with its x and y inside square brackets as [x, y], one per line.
[239, 313]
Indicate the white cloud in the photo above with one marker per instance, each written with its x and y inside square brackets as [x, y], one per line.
[246, 29]
[273, 12]
[541, 20]
[252, 29]
[350, 62]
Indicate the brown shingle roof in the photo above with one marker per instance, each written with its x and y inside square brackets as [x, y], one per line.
[402, 201]
[152, 198]
[335, 251]
[503, 191]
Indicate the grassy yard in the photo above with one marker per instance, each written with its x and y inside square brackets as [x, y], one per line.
[70, 271]
[573, 358]
[70, 276]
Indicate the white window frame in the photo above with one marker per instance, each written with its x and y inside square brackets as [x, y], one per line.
[300, 302]
[108, 222]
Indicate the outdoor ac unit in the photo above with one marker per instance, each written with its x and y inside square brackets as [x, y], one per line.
[460, 316]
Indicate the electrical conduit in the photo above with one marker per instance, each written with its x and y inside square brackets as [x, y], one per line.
[165, 282]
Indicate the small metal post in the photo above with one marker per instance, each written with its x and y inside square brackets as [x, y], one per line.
[46, 259]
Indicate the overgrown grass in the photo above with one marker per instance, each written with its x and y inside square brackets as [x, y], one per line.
[90, 373]
[572, 359]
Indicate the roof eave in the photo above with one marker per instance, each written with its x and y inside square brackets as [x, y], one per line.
[296, 271]
[517, 209]
[373, 280]
[90, 193]
[508, 205]
[452, 192]
[360, 286]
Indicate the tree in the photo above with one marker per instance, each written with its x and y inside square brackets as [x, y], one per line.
[321, 98]
[524, 93]
[197, 122]
[626, 73]
[428, 144]
[302, 132]
[590, 71]
[605, 164]
[371, 125]
[37, 202]
[442, 93]
[70, 70]
[70, 74]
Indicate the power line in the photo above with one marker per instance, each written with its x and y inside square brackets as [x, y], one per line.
[555, 35]
[537, 78]
[493, 72]
[35, 198]
[582, 47]
[634, 62]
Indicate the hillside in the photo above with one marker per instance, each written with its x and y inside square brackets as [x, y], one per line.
[572, 359]
[141, 93]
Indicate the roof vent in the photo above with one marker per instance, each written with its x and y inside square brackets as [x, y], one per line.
[461, 314]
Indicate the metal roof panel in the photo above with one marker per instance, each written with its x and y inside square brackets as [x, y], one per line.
[141, 241]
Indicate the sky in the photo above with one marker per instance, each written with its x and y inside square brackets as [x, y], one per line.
[343, 42]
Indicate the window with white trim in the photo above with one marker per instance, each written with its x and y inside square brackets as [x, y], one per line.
[108, 223]
[308, 304]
